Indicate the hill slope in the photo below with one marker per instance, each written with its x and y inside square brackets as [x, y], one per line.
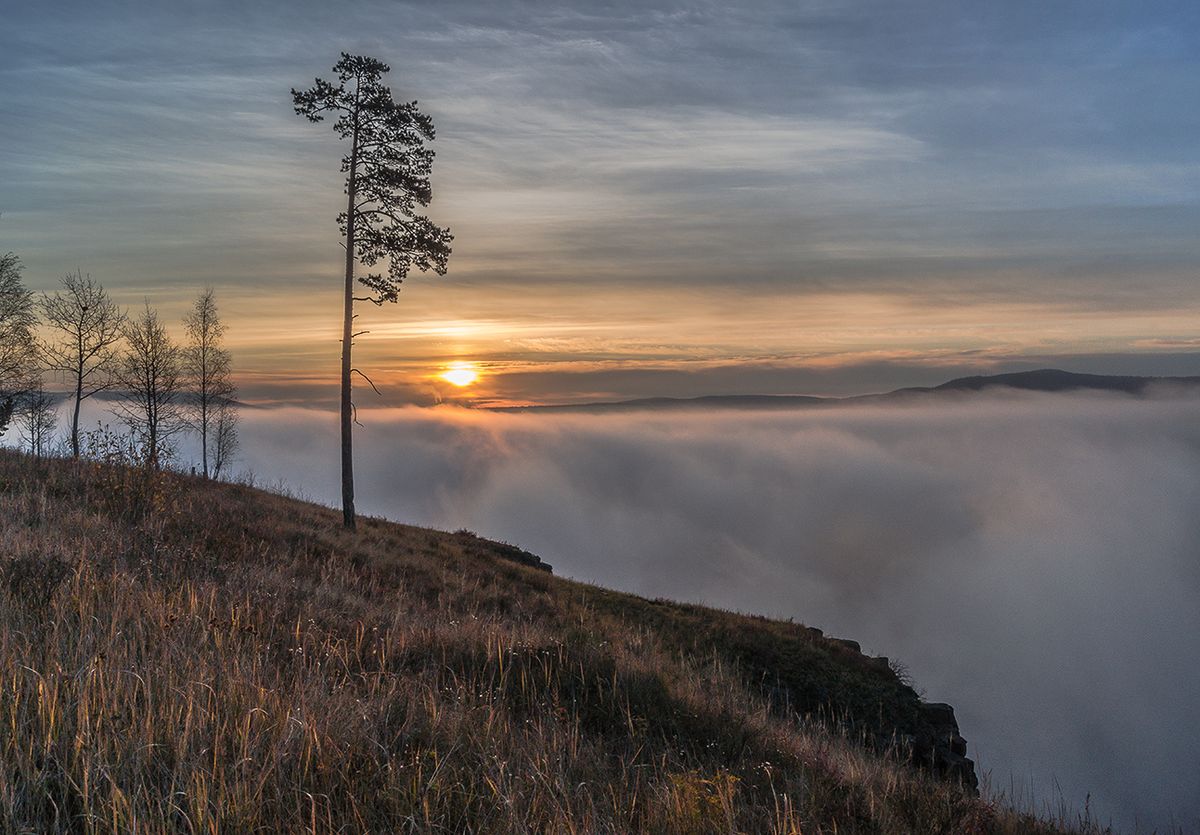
[195, 657]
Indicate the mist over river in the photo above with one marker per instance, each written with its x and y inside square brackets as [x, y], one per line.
[1032, 559]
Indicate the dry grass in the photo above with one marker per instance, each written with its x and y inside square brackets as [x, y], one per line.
[187, 657]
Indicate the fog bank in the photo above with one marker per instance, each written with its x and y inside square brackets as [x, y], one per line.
[1032, 559]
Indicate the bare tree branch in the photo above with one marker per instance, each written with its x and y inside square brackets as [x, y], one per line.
[151, 376]
[207, 371]
[368, 379]
[83, 351]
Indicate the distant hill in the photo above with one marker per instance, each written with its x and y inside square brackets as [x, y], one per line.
[1043, 380]
[1055, 380]
[189, 656]
[653, 404]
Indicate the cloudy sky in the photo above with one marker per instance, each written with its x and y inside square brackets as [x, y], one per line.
[648, 198]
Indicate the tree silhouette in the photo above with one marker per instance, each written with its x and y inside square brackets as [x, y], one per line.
[85, 350]
[206, 367]
[387, 182]
[18, 353]
[151, 379]
[225, 436]
[37, 419]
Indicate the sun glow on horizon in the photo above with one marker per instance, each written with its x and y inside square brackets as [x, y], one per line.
[460, 374]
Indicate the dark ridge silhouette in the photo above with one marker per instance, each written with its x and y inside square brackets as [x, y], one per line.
[724, 401]
[1043, 380]
[1055, 380]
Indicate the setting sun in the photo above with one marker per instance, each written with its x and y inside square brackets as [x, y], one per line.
[460, 374]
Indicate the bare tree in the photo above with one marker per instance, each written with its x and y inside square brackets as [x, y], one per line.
[18, 353]
[226, 436]
[206, 367]
[151, 379]
[84, 351]
[387, 183]
[37, 420]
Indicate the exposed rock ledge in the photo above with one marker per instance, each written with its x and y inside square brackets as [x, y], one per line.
[940, 747]
[472, 543]
[935, 743]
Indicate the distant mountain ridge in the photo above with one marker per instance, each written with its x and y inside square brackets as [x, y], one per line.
[649, 404]
[1051, 380]
[1054, 380]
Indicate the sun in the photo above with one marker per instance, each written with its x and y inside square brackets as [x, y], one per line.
[460, 374]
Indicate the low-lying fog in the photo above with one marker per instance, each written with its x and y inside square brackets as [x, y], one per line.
[1033, 559]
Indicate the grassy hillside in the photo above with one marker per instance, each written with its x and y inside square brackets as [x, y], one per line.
[190, 657]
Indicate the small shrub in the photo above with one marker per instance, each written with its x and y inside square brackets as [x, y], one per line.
[698, 805]
[123, 483]
[32, 581]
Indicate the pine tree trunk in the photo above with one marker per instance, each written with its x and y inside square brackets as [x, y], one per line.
[348, 518]
[75, 418]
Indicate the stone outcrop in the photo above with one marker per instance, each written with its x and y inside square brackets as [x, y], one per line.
[933, 739]
[473, 544]
[939, 747]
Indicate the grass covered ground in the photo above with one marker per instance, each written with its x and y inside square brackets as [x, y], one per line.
[180, 656]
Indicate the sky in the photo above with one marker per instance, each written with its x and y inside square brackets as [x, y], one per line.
[647, 198]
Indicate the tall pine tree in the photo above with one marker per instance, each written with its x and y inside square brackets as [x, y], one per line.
[387, 184]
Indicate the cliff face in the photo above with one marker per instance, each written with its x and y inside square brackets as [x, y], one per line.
[939, 746]
[927, 733]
